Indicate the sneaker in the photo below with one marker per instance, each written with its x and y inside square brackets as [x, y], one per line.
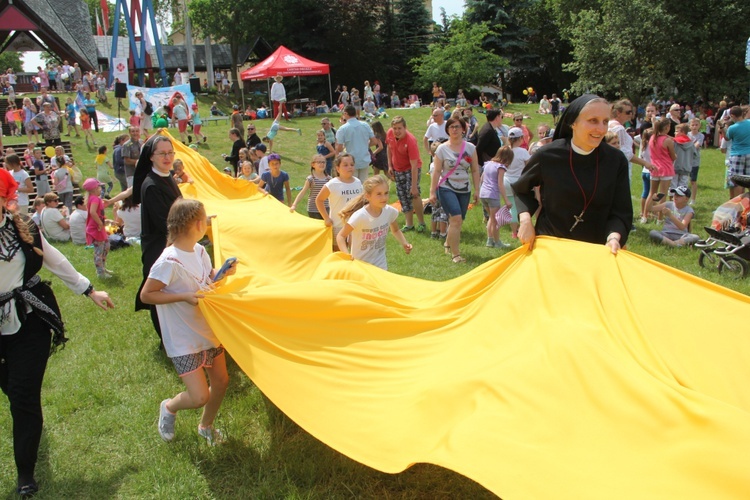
[299, 131]
[691, 202]
[205, 138]
[190, 138]
[213, 436]
[644, 220]
[103, 276]
[500, 244]
[490, 243]
[421, 228]
[443, 236]
[406, 229]
[434, 235]
[166, 422]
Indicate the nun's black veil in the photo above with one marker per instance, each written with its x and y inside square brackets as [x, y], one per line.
[144, 165]
[569, 116]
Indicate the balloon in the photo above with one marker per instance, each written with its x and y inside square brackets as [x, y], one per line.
[525, 92]
[49, 151]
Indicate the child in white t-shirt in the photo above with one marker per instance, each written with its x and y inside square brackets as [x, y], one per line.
[367, 219]
[338, 191]
[175, 284]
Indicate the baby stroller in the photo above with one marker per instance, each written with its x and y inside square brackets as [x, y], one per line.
[728, 244]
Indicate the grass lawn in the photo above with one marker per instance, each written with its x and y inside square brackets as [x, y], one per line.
[102, 392]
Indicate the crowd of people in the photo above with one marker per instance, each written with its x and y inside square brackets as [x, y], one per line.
[580, 170]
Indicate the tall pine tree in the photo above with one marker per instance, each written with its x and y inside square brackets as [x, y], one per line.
[411, 33]
[511, 41]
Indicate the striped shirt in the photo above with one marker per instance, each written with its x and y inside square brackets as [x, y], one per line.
[316, 184]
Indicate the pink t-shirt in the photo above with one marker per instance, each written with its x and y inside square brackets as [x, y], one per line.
[93, 233]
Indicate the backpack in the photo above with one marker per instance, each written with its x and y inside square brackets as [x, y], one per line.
[149, 109]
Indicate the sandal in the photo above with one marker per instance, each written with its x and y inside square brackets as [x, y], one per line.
[447, 249]
[457, 259]
[28, 490]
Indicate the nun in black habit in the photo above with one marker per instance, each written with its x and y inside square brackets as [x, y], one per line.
[583, 182]
[155, 189]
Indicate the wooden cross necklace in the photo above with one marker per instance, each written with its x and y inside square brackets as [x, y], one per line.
[586, 200]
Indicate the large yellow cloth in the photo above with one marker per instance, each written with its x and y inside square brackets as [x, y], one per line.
[561, 373]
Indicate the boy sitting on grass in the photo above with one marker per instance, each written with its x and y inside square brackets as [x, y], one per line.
[677, 217]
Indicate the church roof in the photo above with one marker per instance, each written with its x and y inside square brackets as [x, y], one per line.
[64, 26]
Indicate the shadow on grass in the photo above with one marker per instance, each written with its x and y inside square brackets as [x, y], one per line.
[51, 485]
[297, 465]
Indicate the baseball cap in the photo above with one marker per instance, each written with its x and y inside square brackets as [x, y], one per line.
[90, 184]
[227, 169]
[515, 132]
[680, 191]
[235, 107]
[260, 147]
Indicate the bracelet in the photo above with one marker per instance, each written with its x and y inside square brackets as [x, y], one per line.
[613, 238]
[88, 291]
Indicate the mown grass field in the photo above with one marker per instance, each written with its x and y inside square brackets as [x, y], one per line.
[102, 392]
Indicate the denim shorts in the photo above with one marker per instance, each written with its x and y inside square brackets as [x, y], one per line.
[453, 203]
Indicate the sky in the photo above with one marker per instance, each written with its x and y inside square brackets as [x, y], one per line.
[452, 7]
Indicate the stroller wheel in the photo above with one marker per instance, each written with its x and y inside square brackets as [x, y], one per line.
[707, 259]
[733, 266]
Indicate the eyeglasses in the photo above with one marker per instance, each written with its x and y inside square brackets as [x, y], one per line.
[517, 119]
[56, 199]
[165, 155]
[455, 126]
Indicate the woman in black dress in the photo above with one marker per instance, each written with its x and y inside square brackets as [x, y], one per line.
[155, 189]
[30, 324]
[583, 181]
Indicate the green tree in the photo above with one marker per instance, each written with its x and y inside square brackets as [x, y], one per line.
[616, 53]
[220, 19]
[641, 48]
[11, 59]
[510, 38]
[410, 35]
[459, 61]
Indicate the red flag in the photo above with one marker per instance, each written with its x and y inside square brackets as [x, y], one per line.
[99, 30]
[105, 15]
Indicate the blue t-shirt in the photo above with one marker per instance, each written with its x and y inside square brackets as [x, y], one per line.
[90, 105]
[275, 185]
[739, 134]
[355, 136]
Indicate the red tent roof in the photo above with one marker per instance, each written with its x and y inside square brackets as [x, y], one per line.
[284, 62]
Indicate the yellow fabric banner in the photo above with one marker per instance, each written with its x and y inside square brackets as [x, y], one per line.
[562, 373]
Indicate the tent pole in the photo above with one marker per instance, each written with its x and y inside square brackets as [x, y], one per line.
[299, 86]
[270, 104]
[330, 91]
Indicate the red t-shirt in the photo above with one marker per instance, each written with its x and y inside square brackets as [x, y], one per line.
[402, 151]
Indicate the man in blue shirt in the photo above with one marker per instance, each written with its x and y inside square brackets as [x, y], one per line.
[356, 137]
[739, 154]
[91, 109]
